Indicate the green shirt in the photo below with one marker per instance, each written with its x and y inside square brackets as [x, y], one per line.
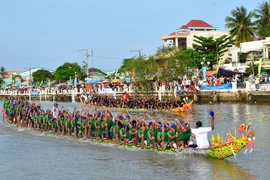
[170, 133]
[185, 136]
[151, 133]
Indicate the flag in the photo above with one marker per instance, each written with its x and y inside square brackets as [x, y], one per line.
[49, 82]
[116, 72]
[70, 80]
[41, 83]
[218, 66]
[260, 67]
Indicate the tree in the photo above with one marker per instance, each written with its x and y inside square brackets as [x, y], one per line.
[3, 72]
[67, 70]
[262, 14]
[96, 70]
[42, 75]
[212, 48]
[126, 66]
[241, 25]
[1, 81]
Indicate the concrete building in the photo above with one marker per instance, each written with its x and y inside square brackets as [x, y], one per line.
[255, 50]
[184, 36]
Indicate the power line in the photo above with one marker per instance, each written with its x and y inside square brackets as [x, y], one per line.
[85, 63]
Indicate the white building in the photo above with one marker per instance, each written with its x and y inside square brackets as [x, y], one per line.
[184, 36]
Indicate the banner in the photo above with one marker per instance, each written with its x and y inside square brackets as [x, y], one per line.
[41, 83]
[218, 87]
[260, 67]
[218, 66]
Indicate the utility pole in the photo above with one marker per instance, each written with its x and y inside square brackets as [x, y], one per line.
[30, 75]
[137, 50]
[92, 54]
[85, 52]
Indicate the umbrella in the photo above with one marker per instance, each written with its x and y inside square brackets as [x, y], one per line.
[93, 81]
[116, 81]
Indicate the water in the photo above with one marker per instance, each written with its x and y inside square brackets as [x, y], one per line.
[25, 154]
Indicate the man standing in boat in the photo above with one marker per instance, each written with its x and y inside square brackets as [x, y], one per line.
[201, 133]
[55, 110]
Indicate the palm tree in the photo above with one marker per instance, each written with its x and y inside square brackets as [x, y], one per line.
[3, 72]
[241, 25]
[263, 19]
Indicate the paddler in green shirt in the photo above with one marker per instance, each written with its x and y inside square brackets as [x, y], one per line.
[161, 138]
[42, 120]
[184, 134]
[79, 126]
[68, 124]
[110, 123]
[150, 134]
[124, 133]
[172, 137]
[103, 127]
[72, 125]
[133, 133]
[89, 125]
[115, 130]
[98, 126]
[93, 127]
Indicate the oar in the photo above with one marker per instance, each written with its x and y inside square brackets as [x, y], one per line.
[142, 143]
[136, 134]
[75, 127]
[98, 129]
[125, 135]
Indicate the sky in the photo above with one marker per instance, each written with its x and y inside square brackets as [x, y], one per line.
[48, 33]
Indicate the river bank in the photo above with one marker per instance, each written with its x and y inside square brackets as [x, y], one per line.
[228, 96]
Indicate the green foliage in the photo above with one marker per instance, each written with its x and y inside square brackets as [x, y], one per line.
[262, 14]
[241, 25]
[67, 70]
[15, 77]
[42, 75]
[126, 66]
[167, 64]
[96, 70]
[227, 61]
[1, 81]
[3, 72]
[251, 68]
[242, 58]
[212, 48]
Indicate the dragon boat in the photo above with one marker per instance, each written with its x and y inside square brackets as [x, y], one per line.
[219, 150]
[185, 107]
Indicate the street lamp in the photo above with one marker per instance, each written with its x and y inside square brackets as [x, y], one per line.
[203, 63]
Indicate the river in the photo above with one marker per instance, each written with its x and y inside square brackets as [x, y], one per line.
[27, 154]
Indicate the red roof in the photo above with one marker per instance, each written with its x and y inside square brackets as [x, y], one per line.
[196, 23]
[179, 34]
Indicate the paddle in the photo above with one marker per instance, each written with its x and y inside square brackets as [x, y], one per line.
[125, 135]
[142, 143]
[153, 137]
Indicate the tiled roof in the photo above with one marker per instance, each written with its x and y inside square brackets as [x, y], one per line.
[179, 34]
[196, 23]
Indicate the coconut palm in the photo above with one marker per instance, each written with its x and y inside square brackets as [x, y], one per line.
[3, 72]
[241, 25]
[262, 13]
